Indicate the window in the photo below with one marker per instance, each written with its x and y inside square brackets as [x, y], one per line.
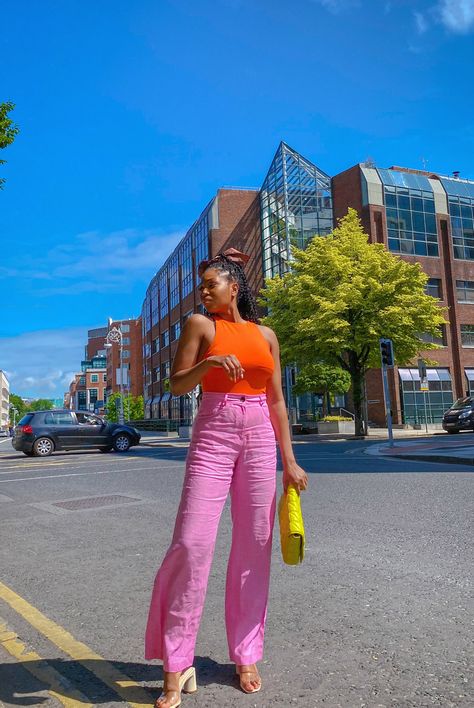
[433, 288]
[187, 316]
[154, 302]
[173, 269]
[125, 354]
[82, 381]
[88, 419]
[462, 226]
[186, 258]
[94, 378]
[163, 289]
[465, 290]
[200, 236]
[125, 328]
[467, 336]
[156, 374]
[175, 331]
[105, 378]
[59, 418]
[93, 395]
[411, 221]
[431, 338]
[165, 370]
[156, 345]
[165, 338]
[126, 340]
[82, 400]
[417, 404]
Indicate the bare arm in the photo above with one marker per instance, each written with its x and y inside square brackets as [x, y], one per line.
[187, 371]
[292, 472]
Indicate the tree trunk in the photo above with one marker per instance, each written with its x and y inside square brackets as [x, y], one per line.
[357, 393]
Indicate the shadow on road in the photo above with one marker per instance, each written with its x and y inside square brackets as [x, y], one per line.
[20, 686]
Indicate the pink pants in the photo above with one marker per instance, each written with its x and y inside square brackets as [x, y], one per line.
[232, 448]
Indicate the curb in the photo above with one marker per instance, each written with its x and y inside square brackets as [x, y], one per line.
[435, 458]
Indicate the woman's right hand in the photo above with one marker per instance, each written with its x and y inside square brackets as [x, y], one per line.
[230, 364]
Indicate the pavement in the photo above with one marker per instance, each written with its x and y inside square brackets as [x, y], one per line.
[437, 446]
[377, 616]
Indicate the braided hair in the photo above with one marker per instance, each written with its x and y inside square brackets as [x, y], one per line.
[246, 303]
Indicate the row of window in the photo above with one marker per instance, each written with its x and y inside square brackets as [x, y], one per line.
[165, 291]
[464, 289]
[467, 336]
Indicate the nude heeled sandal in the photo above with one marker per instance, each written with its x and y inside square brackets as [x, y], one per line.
[255, 673]
[187, 684]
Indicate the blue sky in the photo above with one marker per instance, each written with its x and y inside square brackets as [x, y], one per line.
[132, 114]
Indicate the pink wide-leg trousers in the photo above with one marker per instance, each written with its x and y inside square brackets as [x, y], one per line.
[232, 449]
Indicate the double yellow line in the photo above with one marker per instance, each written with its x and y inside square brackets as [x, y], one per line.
[59, 687]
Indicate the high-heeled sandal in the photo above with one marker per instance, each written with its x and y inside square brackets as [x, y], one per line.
[255, 673]
[186, 683]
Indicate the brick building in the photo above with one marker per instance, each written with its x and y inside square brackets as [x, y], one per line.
[87, 389]
[232, 218]
[426, 218]
[132, 359]
[420, 216]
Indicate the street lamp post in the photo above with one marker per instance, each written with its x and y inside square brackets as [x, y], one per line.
[114, 336]
[14, 411]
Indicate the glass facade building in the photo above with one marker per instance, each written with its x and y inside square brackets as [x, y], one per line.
[410, 210]
[461, 211]
[295, 204]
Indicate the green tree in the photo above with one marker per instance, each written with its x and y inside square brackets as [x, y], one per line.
[133, 407]
[41, 404]
[8, 130]
[18, 403]
[341, 296]
[324, 379]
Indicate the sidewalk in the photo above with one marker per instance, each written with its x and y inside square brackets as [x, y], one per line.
[458, 450]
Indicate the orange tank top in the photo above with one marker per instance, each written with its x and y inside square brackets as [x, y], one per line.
[245, 341]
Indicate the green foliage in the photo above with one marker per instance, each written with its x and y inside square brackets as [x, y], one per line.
[41, 404]
[8, 130]
[20, 406]
[321, 378]
[342, 295]
[330, 418]
[133, 408]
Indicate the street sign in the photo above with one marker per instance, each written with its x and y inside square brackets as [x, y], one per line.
[376, 400]
[424, 386]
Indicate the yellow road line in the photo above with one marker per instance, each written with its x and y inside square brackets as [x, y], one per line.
[57, 685]
[130, 691]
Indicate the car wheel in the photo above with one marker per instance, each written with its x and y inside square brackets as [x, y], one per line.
[122, 443]
[43, 447]
[105, 449]
[28, 454]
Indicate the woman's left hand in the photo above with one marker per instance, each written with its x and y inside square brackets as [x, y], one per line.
[294, 474]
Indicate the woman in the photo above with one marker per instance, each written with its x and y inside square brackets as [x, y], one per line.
[232, 449]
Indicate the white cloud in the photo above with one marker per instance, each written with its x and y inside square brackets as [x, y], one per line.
[41, 364]
[420, 22]
[96, 262]
[457, 15]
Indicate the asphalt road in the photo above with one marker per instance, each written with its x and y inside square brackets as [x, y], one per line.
[379, 614]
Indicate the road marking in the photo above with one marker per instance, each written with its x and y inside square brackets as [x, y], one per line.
[58, 686]
[85, 474]
[130, 691]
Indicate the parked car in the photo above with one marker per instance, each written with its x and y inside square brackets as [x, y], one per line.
[40, 433]
[4, 433]
[460, 416]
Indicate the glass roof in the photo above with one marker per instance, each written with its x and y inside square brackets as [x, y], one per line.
[395, 178]
[458, 187]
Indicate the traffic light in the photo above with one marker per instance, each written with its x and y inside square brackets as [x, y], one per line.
[386, 352]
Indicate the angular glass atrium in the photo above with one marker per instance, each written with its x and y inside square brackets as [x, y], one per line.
[296, 205]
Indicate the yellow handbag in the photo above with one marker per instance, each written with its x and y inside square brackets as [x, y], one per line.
[291, 526]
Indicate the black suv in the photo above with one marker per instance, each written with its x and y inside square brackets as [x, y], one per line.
[42, 432]
[460, 416]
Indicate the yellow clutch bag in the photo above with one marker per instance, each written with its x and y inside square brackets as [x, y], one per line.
[291, 526]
